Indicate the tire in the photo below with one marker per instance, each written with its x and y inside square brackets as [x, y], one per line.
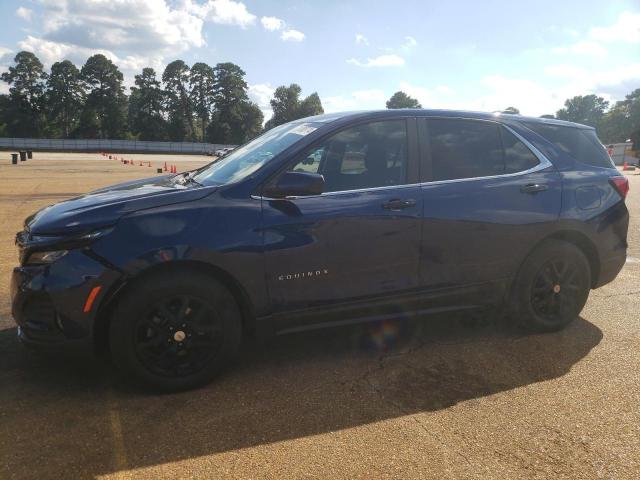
[176, 331]
[551, 287]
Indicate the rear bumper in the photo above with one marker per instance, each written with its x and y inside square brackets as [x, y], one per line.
[609, 269]
[48, 302]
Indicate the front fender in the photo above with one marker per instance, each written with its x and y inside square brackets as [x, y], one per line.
[223, 234]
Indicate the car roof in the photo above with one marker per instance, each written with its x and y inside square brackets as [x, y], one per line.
[419, 112]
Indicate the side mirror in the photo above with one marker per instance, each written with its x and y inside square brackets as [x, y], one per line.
[295, 184]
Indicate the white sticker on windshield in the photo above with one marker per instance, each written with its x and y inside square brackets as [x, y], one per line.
[303, 130]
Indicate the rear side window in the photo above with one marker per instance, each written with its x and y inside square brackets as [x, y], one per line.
[465, 149]
[582, 144]
[517, 156]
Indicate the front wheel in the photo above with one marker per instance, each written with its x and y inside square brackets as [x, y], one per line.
[551, 287]
[176, 331]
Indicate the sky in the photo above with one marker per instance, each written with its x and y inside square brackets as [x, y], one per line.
[472, 55]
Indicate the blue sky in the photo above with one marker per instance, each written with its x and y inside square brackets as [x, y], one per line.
[481, 55]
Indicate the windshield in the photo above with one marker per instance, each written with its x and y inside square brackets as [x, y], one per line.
[245, 160]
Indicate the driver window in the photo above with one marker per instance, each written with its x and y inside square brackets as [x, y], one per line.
[365, 156]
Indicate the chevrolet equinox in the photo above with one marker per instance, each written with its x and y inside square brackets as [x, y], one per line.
[327, 220]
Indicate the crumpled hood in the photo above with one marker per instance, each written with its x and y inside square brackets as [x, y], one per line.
[104, 207]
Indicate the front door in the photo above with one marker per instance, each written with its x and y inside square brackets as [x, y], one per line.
[358, 239]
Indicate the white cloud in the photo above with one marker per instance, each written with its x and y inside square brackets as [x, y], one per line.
[409, 43]
[359, 100]
[261, 94]
[564, 70]
[24, 13]
[537, 98]
[6, 57]
[226, 12]
[50, 52]
[626, 29]
[136, 27]
[391, 60]
[361, 39]
[611, 83]
[438, 97]
[292, 35]
[371, 95]
[272, 23]
[583, 47]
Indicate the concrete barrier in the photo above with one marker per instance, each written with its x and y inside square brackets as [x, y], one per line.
[124, 146]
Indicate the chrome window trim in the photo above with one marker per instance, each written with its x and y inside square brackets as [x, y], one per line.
[544, 164]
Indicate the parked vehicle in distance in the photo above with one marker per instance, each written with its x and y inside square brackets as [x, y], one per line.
[223, 151]
[328, 220]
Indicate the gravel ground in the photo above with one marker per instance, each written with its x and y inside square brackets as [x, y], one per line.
[437, 398]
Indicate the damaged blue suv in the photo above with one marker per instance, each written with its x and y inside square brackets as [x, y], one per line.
[323, 221]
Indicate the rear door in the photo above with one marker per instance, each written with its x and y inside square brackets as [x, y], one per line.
[489, 196]
[357, 240]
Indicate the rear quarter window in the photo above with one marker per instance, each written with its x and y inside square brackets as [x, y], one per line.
[582, 144]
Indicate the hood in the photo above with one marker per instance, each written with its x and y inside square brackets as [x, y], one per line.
[104, 207]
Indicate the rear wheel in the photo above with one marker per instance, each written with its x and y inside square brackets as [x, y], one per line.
[551, 287]
[176, 331]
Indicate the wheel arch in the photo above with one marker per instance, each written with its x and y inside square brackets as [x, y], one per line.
[105, 310]
[582, 242]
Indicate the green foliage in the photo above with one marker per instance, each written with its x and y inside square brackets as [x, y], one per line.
[402, 100]
[23, 113]
[622, 122]
[587, 110]
[235, 119]
[547, 116]
[146, 107]
[65, 96]
[176, 83]
[511, 111]
[202, 81]
[287, 106]
[202, 103]
[106, 100]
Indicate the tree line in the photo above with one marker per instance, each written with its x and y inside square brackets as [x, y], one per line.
[614, 123]
[203, 104]
[198, 103]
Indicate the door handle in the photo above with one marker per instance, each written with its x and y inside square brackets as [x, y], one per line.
[534, 188]
[398, 204]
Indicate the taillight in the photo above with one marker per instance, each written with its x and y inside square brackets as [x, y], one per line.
[621, 185]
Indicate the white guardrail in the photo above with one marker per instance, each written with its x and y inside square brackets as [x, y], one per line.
[130, 146]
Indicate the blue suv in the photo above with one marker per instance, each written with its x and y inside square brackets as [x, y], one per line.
[324, 221]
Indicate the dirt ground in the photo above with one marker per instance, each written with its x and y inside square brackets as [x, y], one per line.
[434, 398]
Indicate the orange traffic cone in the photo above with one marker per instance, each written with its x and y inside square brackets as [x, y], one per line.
[149, 164]
[140, 162]
[165, 166]
[625, 166]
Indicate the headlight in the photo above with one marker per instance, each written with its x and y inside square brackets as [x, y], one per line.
[45, 258]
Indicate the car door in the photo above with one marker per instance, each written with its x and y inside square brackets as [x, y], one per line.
[360, 238]
[489, 197]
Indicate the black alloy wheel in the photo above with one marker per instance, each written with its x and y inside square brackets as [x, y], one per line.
[177, 336]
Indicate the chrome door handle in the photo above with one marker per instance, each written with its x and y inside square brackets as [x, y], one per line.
[534, 188]
[398, 204]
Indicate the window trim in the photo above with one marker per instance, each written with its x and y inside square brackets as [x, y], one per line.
[543, 161]
[413, 159]
[425, 163]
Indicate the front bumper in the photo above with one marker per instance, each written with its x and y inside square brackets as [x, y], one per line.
[48, 301]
